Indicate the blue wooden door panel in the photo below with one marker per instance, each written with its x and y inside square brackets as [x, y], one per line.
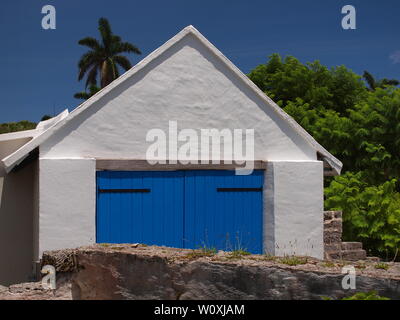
[227, 220]
[183, 209]
[155, 217]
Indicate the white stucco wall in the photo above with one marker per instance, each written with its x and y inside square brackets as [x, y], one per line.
[67, 203]
[293, 208]
[187, 84]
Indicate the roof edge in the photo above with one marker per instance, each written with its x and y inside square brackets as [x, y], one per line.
[9, 162]
[335, 163]
[14, 158]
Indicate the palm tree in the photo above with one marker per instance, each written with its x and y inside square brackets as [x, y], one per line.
[104, 57]
[374, 84]
[46, 117]
[86, 95]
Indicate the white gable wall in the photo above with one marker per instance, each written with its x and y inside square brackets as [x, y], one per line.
[187, 84]
[190, 85]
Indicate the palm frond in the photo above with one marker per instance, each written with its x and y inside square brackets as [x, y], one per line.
[94, 89]
[84, 68]
[104, 58]
[390, 82]
[92, 77]
[370, 80]
[82, 95]
[105, 31]
[86, 95]
[115, 38]
[123, 62]
[90, 42]
[127, 47]
[86, 58]
[87, 61]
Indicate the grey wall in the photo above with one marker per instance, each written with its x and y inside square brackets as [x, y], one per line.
[8, 147]
[16, 226]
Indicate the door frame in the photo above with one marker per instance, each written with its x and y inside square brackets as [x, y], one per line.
[143, 165]
[103, 164]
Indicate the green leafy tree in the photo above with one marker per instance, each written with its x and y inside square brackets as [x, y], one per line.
[17, 126]
[360, 125]
[376, 135]
[286, 80]
[104, 57]
[372, 213]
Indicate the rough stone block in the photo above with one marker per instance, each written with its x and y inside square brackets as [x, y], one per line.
[351, 246]
[354, 255]
[334, 224]
[330, 238]
[338, 214]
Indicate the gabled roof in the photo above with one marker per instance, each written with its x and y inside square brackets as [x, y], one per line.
[12, 160]
[36, 135]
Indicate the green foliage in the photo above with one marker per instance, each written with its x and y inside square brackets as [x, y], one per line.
[372, 295]
[286, 80]
[327, 126]
[269, 257]
[200, 253]
[104, 245]
[238, 254]
[382, 265]
[104, 58]
[372, 213]
[293, 260]
[360, 125]
[377, 134]
[84, 95]
[374, 84]
[329, 264]
[17, 126]
[46, 117]
[366, 139]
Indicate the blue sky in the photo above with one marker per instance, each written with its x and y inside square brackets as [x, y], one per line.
[39, 67]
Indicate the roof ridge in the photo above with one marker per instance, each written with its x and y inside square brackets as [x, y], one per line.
[13, 159]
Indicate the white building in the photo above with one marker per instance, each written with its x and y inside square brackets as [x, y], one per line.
[83, 177]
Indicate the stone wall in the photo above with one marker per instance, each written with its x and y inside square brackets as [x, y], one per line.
[166, 273]
[143, 272]
[332, 233]
[334, 247]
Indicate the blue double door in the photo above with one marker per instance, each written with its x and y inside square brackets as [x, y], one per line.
[182, 209]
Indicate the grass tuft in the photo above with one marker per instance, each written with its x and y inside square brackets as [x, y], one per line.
[382, 265]
[200, 253]
[238, 254]
[293, 260]
[329, 264]
[372, 295]
[269, 257]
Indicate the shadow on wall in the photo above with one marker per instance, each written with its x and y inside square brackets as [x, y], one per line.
[16, 225]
